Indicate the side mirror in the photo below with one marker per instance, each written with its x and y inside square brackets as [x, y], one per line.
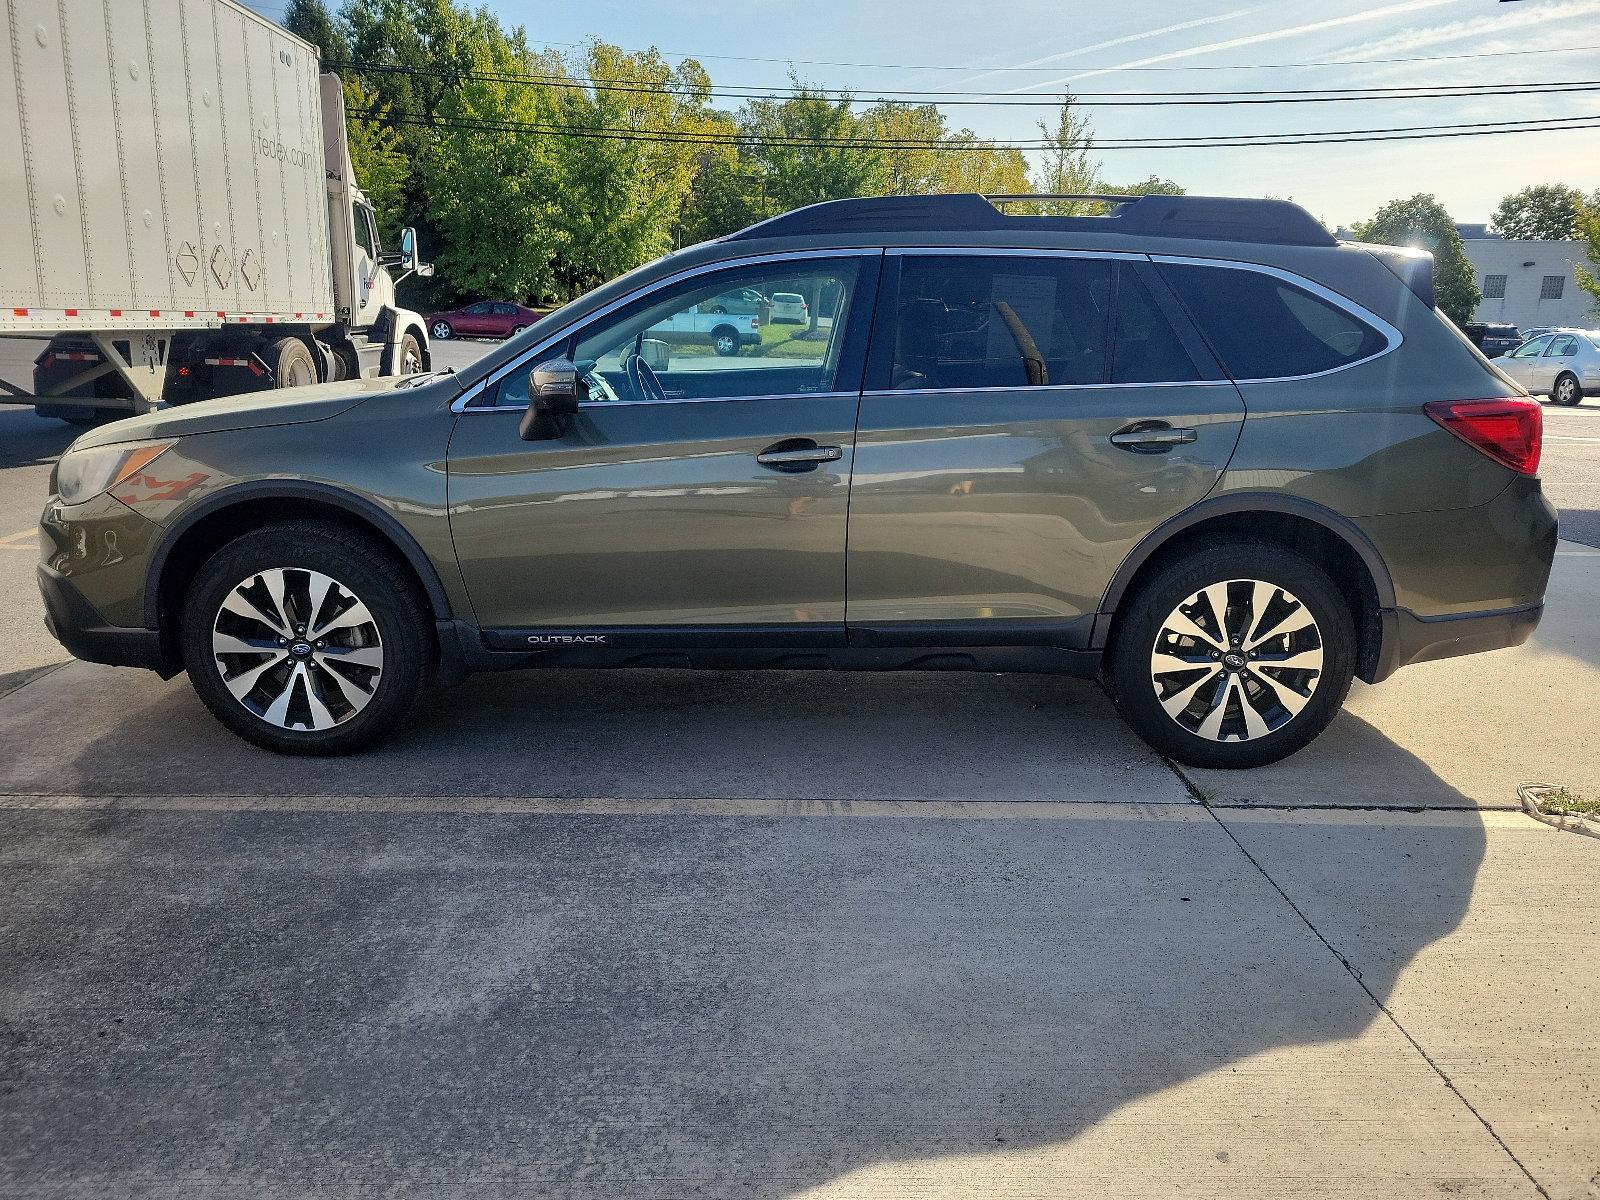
[409, 258]
[553, 390]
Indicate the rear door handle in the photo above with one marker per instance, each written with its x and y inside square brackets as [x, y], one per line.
[1152, 437]
[798, 458]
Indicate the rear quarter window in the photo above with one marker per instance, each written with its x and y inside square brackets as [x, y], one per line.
[1263, 327]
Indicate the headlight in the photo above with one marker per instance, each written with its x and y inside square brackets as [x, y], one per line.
[83, 474]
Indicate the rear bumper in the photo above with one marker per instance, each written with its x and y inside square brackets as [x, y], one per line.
[1408, 638]
[74, 623]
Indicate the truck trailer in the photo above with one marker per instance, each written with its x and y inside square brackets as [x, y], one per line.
[180, 217]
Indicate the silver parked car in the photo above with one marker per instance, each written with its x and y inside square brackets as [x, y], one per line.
[1563, 364]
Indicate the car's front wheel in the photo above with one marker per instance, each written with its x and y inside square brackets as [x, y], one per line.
[1236, 655]
[443, 331]
[306, 638]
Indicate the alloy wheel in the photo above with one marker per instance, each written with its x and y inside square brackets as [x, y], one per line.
[1566, 389]
[297, 648]
[1237, 660]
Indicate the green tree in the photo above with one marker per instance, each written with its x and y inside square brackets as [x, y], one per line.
[809, 148]
[621, 197]
[1543, 212]
[311, 20]
[1588, 233]
[935, 159]
[1066, 168]
[1153, 186]
[725, 194]
[489, 180]
[380, 166]
[1422, 222]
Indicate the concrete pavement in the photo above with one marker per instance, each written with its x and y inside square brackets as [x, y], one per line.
[657, 934]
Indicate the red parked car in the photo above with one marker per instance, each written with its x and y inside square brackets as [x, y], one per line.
[486, 318]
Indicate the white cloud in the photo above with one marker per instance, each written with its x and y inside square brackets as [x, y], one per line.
[1254, 39]
[1420, 38]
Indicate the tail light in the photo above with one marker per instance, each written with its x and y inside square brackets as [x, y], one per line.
[1508, 430]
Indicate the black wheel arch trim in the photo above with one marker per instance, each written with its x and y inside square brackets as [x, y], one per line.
[280, 489]
[1244, 502]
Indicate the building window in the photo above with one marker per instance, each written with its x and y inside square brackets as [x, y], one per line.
[1494, 287]
[1552, 287]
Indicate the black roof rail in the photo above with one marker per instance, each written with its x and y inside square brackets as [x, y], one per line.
[1209, 218]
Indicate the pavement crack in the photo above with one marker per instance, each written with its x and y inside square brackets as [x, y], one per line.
[1350, 969]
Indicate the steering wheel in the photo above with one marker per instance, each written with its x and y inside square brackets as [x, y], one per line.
[642, 378]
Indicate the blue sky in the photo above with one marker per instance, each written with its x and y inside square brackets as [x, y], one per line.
[1031, 48]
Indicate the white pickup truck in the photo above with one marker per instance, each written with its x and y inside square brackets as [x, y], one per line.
[726, 331]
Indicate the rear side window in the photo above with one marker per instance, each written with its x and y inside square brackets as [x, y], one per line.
[985, 321]
[1262, 327]
[1146, 349]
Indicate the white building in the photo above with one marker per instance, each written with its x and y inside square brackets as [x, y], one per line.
[1530, 284]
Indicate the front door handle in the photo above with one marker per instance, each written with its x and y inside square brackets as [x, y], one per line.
[1150, 438]
[802, 456]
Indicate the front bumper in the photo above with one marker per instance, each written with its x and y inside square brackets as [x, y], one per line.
[1409, 639]
[74, 623]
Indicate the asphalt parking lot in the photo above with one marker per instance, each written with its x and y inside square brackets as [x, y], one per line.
[655, 934]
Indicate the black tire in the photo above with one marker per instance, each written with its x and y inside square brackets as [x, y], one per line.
[408, 356]
[443, 331]
[725, 341]
[1143, 618]
[366, 570]
[291, 362]
[515, 329]
[1571, 394]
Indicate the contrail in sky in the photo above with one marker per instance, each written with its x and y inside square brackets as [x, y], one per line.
[1273, 35]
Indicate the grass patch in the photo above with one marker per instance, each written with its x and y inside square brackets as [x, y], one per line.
[777, 341]
[1568, 802]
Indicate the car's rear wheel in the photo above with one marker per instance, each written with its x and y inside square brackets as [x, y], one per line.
[1567, 389]
[443, 331]
[306, 638]
[1236, 655]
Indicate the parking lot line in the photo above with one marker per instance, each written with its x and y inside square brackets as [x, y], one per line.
[23, 539]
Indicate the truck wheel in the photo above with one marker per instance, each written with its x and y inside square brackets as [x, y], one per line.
[306, 638]
[442, 331]
[291, 363]
[409, 355]
[1235, 655]
[725, 341]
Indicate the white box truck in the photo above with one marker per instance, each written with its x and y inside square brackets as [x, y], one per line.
[178, 214]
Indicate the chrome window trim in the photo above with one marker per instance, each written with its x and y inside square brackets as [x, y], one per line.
[1391, 335]
[460, 403]
[1014, 252]
[604, 405]
[1013, 389]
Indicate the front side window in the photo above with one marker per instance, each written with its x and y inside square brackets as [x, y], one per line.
[1263, 327]
[683, 342]
[1532, 349]
[363, 230]
[986, 321]
[480, 309]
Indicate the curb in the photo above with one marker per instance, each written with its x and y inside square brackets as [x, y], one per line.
[1528, 793]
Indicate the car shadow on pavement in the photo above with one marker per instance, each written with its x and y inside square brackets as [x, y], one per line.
[671, 1003]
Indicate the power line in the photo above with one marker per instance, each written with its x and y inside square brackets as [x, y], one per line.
[1087, 99]
[1337, 62]
[1211, 141]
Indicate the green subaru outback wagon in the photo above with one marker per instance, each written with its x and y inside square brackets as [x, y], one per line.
[1197, 448]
